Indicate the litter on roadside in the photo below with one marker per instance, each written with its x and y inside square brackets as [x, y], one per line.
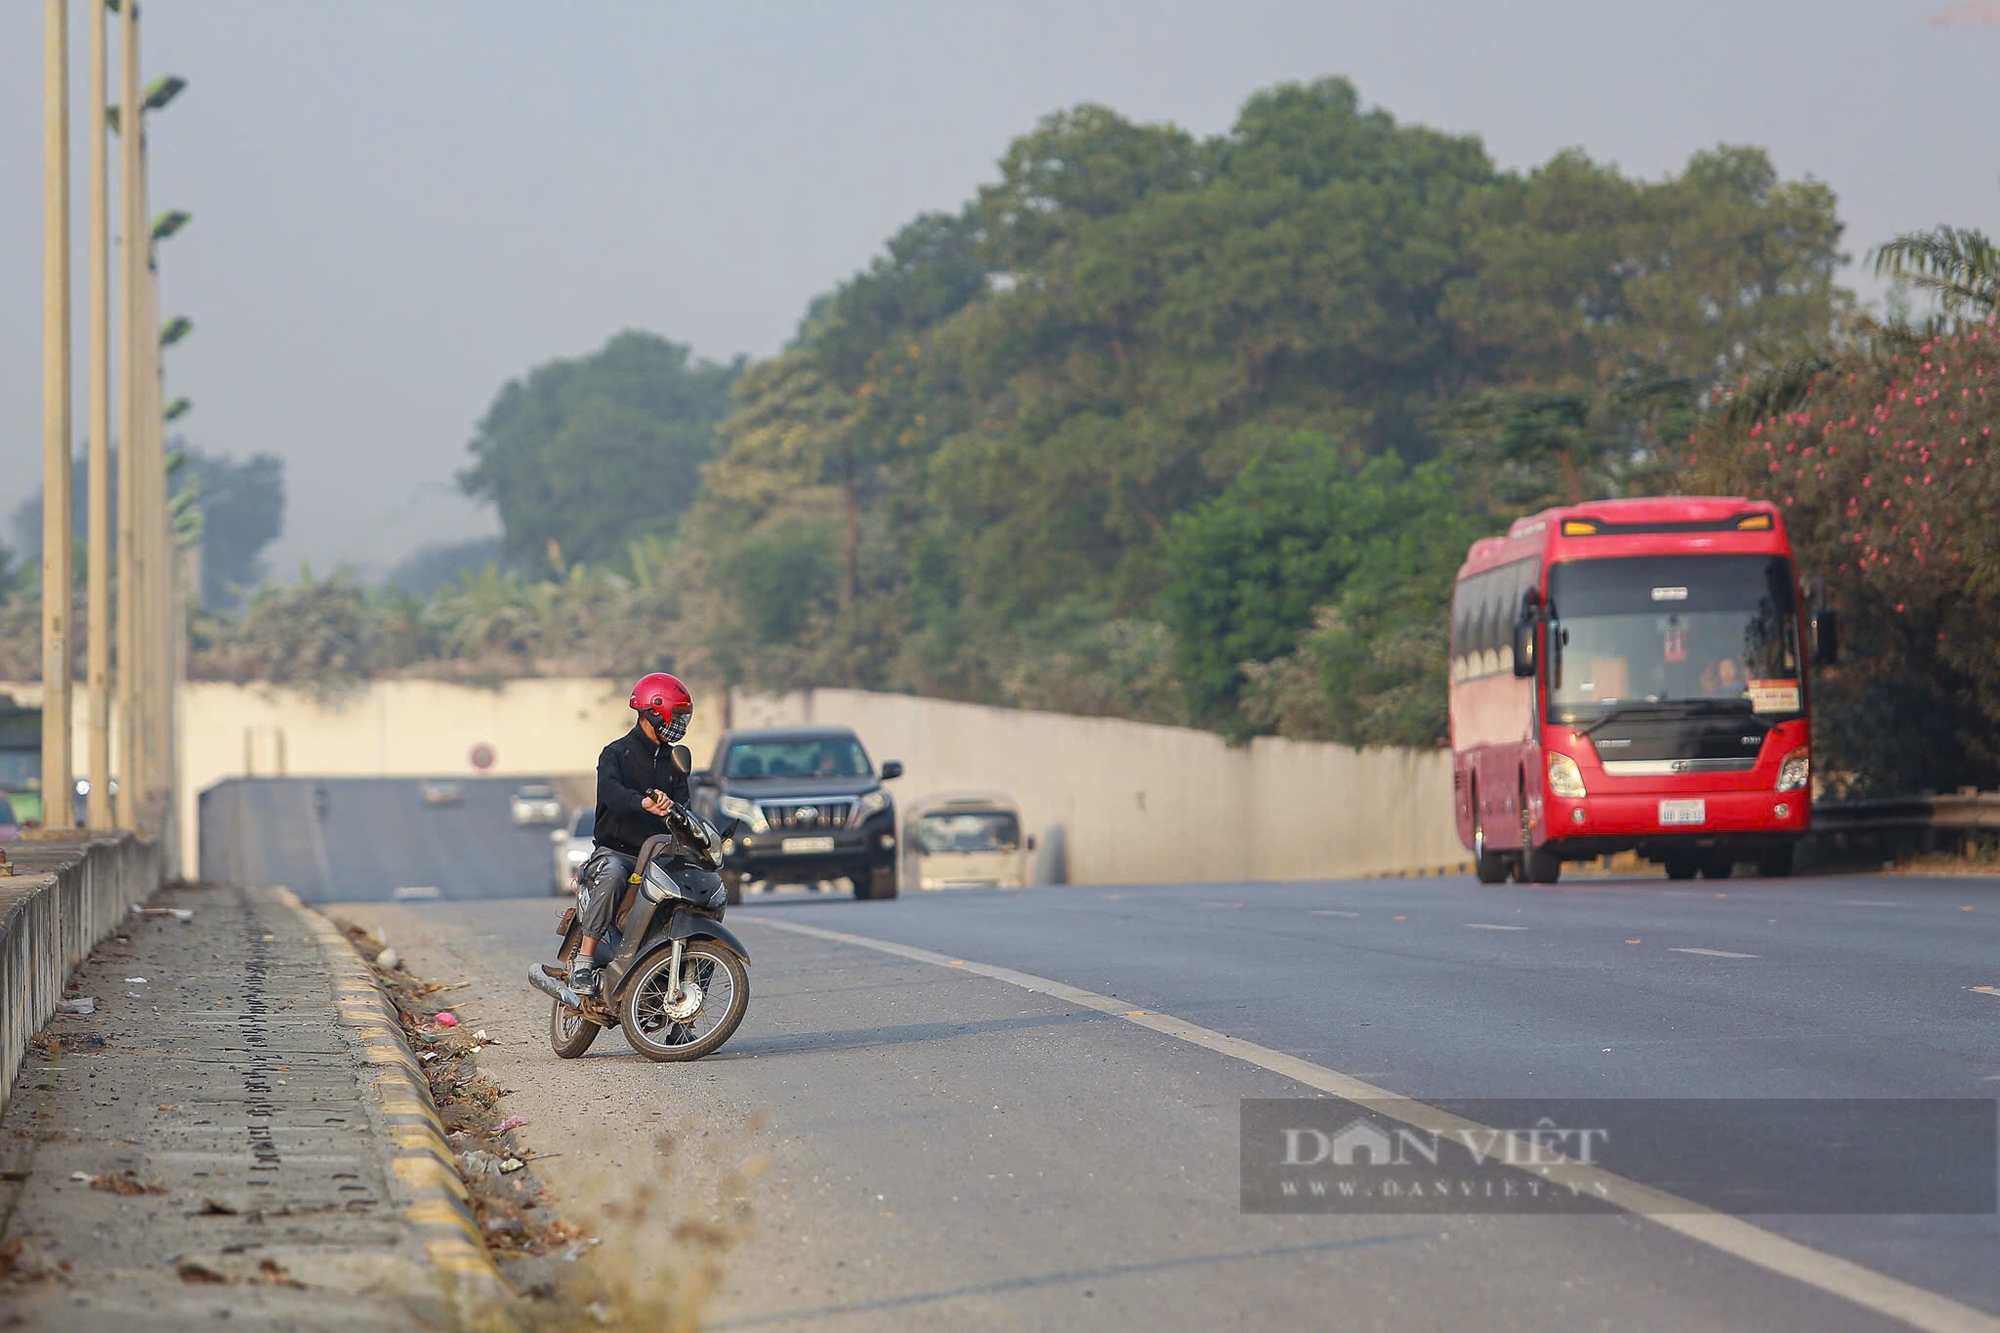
[476, 1163]
[427, 1055]
[511, 1122]
[447, 1019]
[581, 1248]
[481, 1036]
[135, 981]
[389, 959]
[511, 1165]
[177, 913]
[84, 1004]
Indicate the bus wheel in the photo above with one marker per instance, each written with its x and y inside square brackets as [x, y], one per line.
[1491, 867]
[1539, 865]
[1719, 868]
[1681, 867]
[1776, 863]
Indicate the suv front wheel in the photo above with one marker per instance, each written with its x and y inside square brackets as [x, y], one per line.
[876, 882]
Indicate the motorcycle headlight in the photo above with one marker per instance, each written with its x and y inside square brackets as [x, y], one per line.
[737, 807]
[1796, 771]
[870, 803]
[1565, 778]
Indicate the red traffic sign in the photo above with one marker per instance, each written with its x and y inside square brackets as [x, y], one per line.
[482, 756]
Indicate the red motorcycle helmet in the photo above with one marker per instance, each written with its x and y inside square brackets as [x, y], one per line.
[663, 701]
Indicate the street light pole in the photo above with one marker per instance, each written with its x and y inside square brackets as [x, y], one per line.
[98, 672]
[58, 809]
[131, 196]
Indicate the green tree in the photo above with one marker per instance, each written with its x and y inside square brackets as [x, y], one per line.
[580, 456]
[241, 508]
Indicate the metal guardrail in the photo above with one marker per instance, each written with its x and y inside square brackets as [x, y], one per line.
[1966, 810]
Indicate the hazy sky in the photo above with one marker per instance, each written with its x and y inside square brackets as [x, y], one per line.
[398, 206]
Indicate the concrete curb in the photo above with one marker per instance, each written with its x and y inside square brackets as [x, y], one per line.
[423, 1175]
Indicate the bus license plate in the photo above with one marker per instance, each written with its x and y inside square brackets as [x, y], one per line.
[807, 846]
[1682, 813]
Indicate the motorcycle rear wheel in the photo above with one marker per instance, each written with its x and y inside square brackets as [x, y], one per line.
[570, 1033]
[652, 1034]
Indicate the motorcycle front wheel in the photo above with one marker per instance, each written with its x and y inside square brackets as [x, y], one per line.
[660, 1028]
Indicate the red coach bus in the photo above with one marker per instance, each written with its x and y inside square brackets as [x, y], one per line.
[1631, 674]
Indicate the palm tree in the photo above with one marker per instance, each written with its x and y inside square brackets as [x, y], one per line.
[1959, 266]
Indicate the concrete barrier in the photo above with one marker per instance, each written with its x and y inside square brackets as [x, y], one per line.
[1152, 804]
[65, 894]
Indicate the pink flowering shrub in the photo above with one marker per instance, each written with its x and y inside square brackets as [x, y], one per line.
[1889, 480]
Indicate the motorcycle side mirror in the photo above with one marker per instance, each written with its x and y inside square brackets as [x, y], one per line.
[892, 770]
[1826, 637]
[701, 777]
[683, 758]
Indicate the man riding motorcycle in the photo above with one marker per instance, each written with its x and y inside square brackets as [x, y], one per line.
[641, 792]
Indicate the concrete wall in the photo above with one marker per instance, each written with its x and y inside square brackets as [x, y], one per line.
[1136, 802]
[1148, 803]
[66, 894]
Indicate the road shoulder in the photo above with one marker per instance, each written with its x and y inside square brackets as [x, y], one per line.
[232, 1134]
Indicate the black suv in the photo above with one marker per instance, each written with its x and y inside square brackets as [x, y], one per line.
[811, 808]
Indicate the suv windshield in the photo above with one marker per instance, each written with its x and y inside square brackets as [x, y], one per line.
[798, 757]
[968, 831]
[1694, 631]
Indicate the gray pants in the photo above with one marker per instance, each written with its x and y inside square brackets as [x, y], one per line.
[598, 886]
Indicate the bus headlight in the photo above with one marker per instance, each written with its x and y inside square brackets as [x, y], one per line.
[1565, 778]
[736, 807]
[1796, 771]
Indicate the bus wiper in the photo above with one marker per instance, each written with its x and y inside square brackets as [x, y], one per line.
[1625, 710]
[1669, 707]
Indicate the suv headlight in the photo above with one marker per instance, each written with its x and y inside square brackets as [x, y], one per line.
[871, 802]
[738, 807]
[1565, 778]
[1796, 771]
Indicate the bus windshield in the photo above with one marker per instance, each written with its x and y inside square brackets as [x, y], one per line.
[1693, 633]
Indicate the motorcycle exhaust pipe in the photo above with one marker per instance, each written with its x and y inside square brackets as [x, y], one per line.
[555, 990]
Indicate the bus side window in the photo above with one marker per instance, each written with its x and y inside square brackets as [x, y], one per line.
[1491, 611]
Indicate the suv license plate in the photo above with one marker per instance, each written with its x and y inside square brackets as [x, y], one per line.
[807, 846]
[1683, 813]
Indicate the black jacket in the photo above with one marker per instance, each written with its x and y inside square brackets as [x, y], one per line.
[627, 769]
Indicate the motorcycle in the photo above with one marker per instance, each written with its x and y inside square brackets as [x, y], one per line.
[678, 982]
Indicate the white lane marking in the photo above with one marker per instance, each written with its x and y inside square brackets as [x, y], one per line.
[1714, 953]
[1481, 925]
[1869, 902]
[1328, 911]
[1839, 1277]
[1985, 990]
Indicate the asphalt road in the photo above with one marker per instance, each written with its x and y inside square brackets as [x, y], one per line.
[378, 837]
[954, 1135]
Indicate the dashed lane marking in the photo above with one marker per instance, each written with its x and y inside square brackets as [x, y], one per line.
[1869, 902]
[1487, 925]
[1328, 911]
[1839, 1277]
[1714, 953]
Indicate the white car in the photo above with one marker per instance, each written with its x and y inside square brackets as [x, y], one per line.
[536, 803]
[443, 793]
[573, 847]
